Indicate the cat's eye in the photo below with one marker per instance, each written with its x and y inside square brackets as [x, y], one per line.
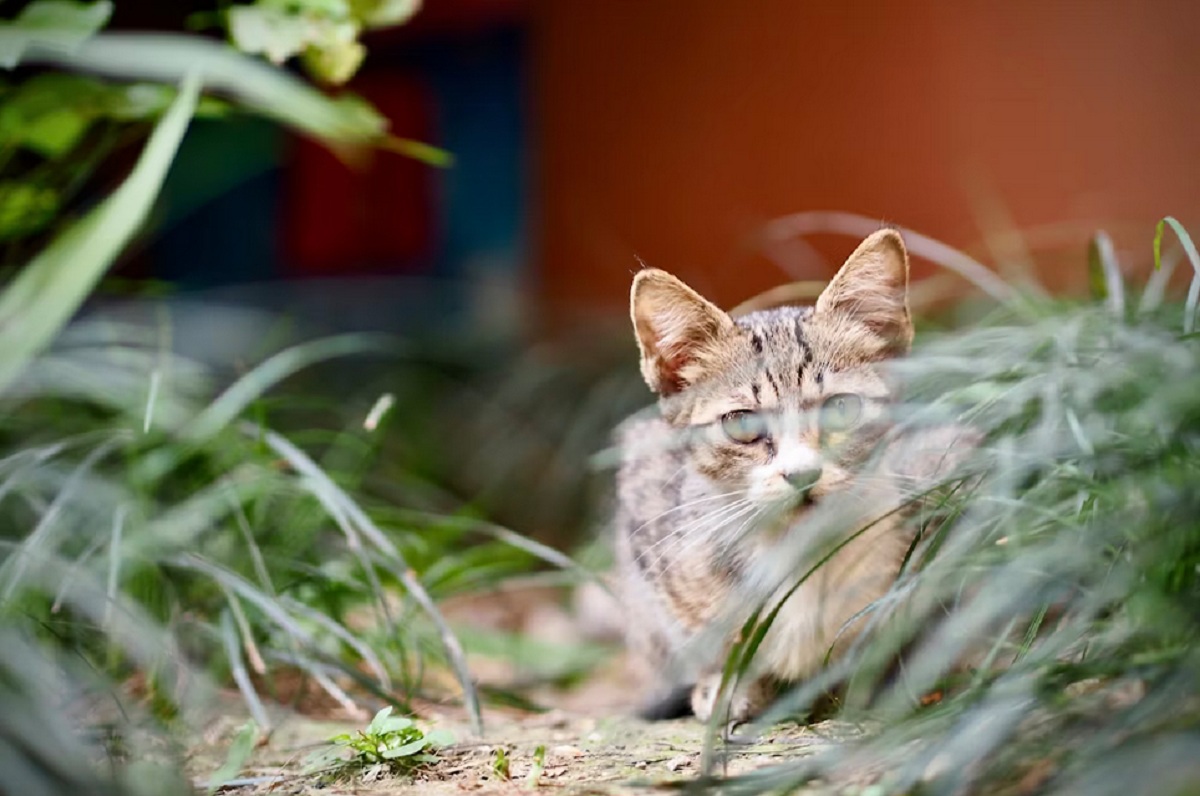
[744, 426]
[840, 412]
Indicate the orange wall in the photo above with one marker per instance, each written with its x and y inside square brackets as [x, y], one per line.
[671, 130]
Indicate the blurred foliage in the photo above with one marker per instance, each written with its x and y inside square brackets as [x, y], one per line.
[154, 528]
[323, 32]
[53, 24]
[58, 128]
[53, 284]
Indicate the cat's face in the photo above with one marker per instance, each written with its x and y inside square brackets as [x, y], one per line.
[782, 405]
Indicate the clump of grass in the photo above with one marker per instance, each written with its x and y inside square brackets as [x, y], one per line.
[166, 533]
[1054, 601]
[392, 743]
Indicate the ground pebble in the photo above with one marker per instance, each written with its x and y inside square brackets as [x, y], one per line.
[567, 751]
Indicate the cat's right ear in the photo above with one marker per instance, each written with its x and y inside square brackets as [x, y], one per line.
[677, 330]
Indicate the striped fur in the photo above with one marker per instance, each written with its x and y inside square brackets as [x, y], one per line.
[691, 499]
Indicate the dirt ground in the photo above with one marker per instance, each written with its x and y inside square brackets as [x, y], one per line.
[584, 754]
[592, 742]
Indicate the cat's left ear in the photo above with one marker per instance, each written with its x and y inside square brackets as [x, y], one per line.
[677, 330]
[872, 289]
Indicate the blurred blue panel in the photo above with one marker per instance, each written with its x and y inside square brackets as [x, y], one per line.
[218, 224]
[217, 218]
[481, 117]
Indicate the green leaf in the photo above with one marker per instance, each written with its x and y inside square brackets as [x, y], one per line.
[440, 737]
[25, 208]
[335, 62]
[384, 13]
[56, 133]
[376, 725]
[405, 750]
[339, 9]
[273, 32]
[394, 724]
[500, 765]
[48, 291]
[325, 35]
[51, 24]
[344, 121]
[49, 113]
[239, 752]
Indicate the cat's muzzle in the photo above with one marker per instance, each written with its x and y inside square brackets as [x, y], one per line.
[803, 482]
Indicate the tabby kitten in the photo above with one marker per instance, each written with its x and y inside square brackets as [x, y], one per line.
[760, 420]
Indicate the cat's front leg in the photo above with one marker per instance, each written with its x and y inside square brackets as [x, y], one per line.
[749, 698]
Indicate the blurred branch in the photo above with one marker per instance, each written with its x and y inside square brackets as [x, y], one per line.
[344, 123]
[49, 290]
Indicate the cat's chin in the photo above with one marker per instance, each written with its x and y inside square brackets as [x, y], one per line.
[782, 512]
[776, 499]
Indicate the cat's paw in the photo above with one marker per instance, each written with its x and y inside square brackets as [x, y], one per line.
[748, 699]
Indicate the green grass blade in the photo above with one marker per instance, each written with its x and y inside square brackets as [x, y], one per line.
[114, 563]
[48, 291]
[1155, 289]
[237, 585]
[1104, 273]
[339, 631]
[333, 496]
[41, 539]
[1189, 248]
[919, 245]
[512, 539]
[237, 668]
[180, 526]
[239, 754]
[231, 403]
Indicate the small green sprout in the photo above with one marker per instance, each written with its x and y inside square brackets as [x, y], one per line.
[393, 741]
[500, 762]
[539, 765]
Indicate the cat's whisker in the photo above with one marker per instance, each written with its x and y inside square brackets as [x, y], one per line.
[682, 544]
[686, 527]
[692, 532]
[745, 529]
[685, 530]
[684, 506]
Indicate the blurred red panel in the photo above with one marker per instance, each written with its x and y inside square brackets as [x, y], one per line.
[673, 130]
[377, 218]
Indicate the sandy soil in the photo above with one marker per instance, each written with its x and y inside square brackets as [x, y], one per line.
[607, 754]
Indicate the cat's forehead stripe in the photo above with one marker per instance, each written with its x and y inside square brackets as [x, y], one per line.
[766, 371]
[780, 342]
[801, 339]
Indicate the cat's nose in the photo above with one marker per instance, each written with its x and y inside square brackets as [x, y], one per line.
[803, 480]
